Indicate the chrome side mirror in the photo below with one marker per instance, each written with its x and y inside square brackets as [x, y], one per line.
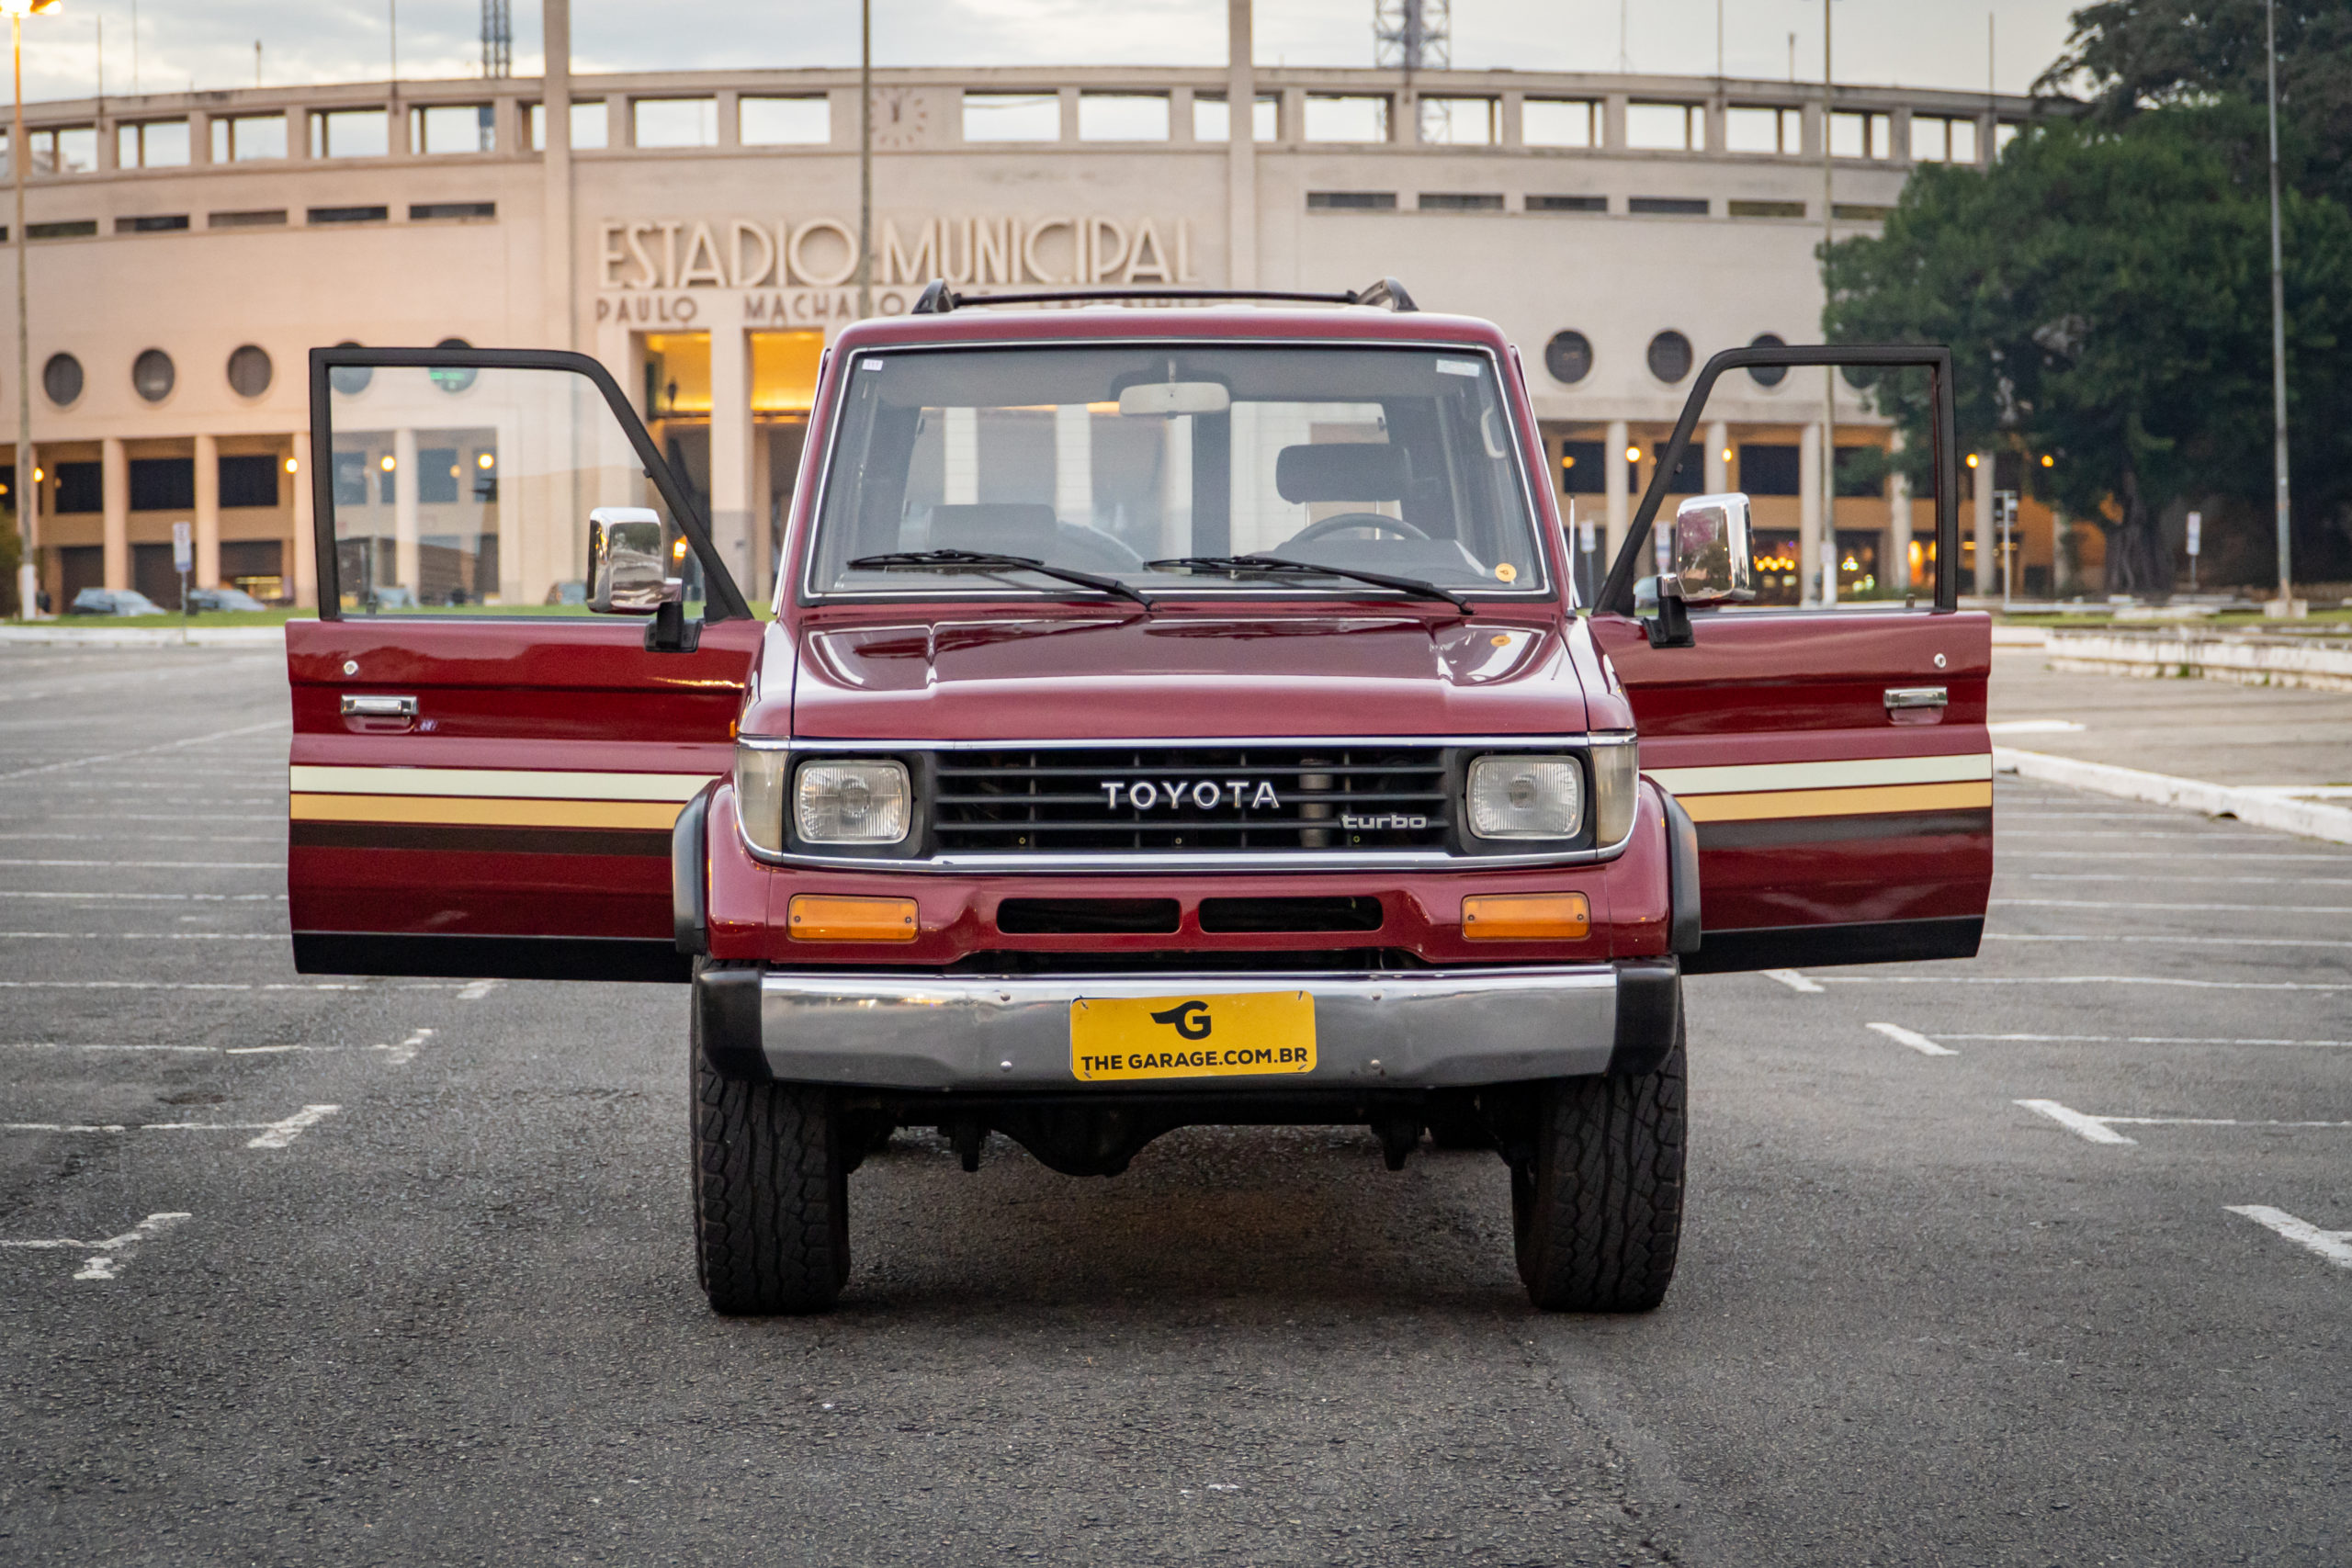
[632, 554]
[1713, 556]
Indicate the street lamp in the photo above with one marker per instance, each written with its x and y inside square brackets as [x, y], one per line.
[27, 579]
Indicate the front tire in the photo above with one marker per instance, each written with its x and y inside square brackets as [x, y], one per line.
[771, 1194]
[1596, 1211]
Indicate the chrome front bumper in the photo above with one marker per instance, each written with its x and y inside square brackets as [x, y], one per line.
[1417, 1029]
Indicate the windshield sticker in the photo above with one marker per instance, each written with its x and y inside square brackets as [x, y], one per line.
[1507, 572]
[1457, 367]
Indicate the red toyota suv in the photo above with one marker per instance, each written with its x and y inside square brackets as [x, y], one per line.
[1170, 716]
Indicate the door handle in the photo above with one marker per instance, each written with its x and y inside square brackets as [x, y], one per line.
[1899, 697]
[362, 705]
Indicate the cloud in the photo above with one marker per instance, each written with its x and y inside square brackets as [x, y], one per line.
[211, 46]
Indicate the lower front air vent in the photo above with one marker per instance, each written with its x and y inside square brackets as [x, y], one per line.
[1332, 914]
[1087, 917]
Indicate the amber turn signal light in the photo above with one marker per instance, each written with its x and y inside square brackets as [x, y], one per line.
[814, 916]
[1524, 917]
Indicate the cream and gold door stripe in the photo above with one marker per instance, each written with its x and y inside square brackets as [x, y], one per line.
[1859, 787]
[490, 797]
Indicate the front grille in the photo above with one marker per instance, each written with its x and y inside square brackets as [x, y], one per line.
[1191, 800]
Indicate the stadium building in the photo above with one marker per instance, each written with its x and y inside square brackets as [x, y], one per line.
[696, 233]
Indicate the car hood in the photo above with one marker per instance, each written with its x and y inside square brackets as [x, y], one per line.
[1138, 677]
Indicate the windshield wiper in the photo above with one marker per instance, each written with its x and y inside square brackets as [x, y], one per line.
[988, 561]
[1280, 566]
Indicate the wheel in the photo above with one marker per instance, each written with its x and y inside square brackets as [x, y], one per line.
[771, 1194]
[1596, 1213]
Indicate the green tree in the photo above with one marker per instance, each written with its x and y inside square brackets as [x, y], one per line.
[2105, 294]
[2135, 55]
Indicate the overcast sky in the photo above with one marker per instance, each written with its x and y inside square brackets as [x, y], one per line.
[1907, 42]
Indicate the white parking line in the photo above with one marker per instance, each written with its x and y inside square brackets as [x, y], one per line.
[145, 750]
[399, 1054]
[159, 864]
[2101, 1128]
[2196, 909]
[107, 1257]
[2170, 878]
[2159, 854]
[1913, 1038]
[2334, 1245]
[148, 897]
[272, 1134]
[149, 838]
[160, 936]
[2144, 1040]
[476, 990]
[2081, 980]
[1792, 980]
[2118, 833]
[280, 1133]
[2095, 1128]
[2161, 940]
[218, 986]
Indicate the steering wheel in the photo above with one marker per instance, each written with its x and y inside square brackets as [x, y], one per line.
[1347, 520]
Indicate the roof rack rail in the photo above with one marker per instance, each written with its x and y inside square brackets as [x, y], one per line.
[938, 300]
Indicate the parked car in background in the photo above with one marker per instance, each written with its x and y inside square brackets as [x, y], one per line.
[201, 599]
[567, 593]
[112, 602]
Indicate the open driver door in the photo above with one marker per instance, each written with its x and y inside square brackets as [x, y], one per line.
[1834, 761]
[484, 771]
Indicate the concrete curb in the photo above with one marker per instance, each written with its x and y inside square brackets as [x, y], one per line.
[41, 635]
[2261, 808]
[2248, 659]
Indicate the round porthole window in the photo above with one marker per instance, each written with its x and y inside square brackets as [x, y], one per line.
[1669, 357]
[1568, 356]
[62, 378]
[152, 374]
[1767, 375]
[249, 372]
[350, 379]
[453, 378]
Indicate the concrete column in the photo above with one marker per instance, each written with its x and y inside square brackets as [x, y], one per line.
[405, 563]
[114, 480]
[1894, 567]
[208, 512]
[1809, 512]
[730, 108]
[555, 226]
[1829, 552]
[1614, 489]
[1718, 457]
[1241, 149]
[1988, 550]
[731, 450]
[961, 460]
[1074, 465]
[306, 524]
[762, 504]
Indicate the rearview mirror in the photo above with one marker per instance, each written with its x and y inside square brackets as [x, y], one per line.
[1713, 556]
[633, 559]
[1165, 398]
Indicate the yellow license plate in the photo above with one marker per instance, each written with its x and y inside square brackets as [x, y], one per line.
[1112, 1039]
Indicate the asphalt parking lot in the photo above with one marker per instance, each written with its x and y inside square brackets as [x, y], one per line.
[2038, 1260]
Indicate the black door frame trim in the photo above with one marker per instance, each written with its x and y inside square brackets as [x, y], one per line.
[722, 600]
[1617, 594]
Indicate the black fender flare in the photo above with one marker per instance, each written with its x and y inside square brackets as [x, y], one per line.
[689, 892]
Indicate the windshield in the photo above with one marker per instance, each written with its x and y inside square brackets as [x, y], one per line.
[1107, 459]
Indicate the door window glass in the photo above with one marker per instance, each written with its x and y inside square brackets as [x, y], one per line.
[468, 492]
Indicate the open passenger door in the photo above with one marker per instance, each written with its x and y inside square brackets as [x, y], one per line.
[484, 775]
[1836, 763]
